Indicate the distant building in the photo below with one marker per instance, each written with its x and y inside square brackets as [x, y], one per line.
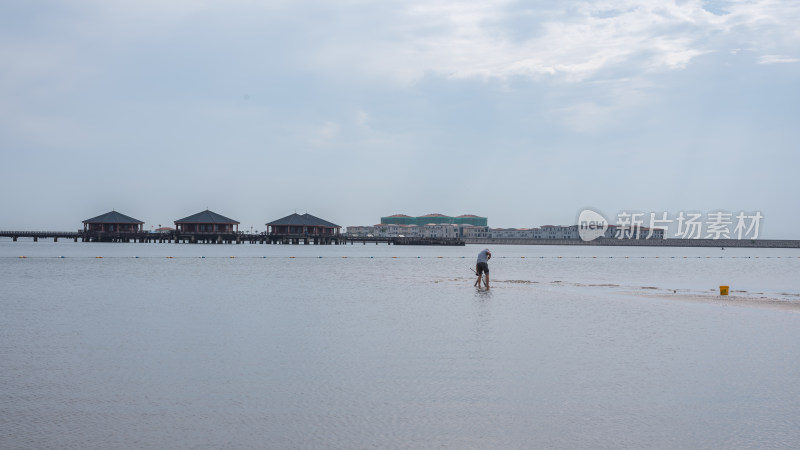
[113, 222]
[558, 232]
[464, 219]
[571, 232]
[473, 232]
[653, 233]
[207, 222]
[474, 227]
[439, 231]
[393, 230]
[543, 232]
[360, 230]
[511, 233]
[398, 219]
[628, 232]
[303, 225]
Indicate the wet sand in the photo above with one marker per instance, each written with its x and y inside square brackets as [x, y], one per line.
[738, 298]
[724, 300]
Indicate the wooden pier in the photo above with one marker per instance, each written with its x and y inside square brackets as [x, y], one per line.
[36, 235]
[405, 241]
[132, 236]
[178, 237]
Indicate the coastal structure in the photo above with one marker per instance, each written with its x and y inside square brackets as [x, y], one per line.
[618, 232]
[485, 234]
[435, 218]
[210, 227]
[570, 232]
[113, 222]
[543, 232]
[296, 227]
[440, 231]
[473, 232]
[206, 222]
[428, 231]
[429, 226]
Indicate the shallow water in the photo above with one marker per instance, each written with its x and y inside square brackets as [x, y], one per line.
[379, 346]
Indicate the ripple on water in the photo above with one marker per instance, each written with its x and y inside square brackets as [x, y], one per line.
[399, 353]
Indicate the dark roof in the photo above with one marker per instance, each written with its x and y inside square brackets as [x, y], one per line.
[303, 220]
[206, 217]
[112, 217]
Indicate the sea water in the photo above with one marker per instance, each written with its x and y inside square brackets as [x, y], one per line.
[375, 346]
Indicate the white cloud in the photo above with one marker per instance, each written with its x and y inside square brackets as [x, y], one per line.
[362, 119]
[777, 59]
[469, 39]
[619, 42]
[405, 40]
[329, 130]
[597, 113]
[396, 41]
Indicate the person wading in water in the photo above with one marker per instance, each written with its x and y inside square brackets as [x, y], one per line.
[483, 267]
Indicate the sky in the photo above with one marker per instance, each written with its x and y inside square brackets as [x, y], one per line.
[522, 112]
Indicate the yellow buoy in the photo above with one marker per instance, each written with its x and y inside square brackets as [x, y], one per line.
[723, 290]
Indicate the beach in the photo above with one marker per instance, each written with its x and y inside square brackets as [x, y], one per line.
[185, 346]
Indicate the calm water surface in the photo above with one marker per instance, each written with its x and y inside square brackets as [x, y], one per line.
[391, 347]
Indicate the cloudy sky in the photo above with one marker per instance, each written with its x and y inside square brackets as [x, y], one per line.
[524, 112]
